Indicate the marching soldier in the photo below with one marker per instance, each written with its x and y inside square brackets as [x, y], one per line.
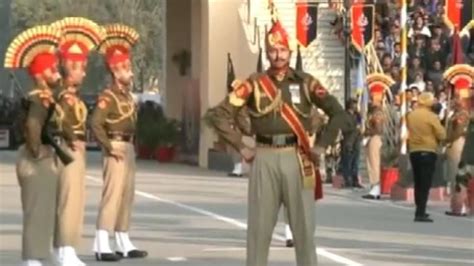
[79, 36]
[36, 167]
[279, 102]
[373, 133]
[377, 85]
[456, 131]
[113, 123]
[459, 137]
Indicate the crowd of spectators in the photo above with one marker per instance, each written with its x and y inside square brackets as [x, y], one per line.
[430, 47]
[429, 44]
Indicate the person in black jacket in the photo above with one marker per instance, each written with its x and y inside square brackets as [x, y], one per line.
[350, 147]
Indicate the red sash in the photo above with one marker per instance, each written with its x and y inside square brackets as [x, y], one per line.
[293, 121]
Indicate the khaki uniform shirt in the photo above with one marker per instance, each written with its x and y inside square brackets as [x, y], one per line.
[299, 90]
[115, 114]
[457, 125]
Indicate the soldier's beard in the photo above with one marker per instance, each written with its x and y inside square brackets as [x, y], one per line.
[280, 65]
[53, 83]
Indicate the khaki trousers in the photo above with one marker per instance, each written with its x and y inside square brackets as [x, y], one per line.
[453, 154]
[38, 180]
[373, 159]
[71, 200]
[276, 179]
[118, 190]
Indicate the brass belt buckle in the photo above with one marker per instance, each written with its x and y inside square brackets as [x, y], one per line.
[278, 140]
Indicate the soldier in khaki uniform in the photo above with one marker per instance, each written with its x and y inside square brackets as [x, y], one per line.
[79, 36]
[36, 167]
[377, 85]
[113, 124]
[242, 124]
[373, 133]
[456, 132]
[279, 102]
[459, 137]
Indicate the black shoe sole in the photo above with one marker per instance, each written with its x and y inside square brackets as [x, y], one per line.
[107, 257]
[134, 254]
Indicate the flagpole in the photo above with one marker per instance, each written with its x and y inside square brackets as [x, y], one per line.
[403, 85]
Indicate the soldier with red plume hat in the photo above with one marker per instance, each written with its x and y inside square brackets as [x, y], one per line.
[378, 84]
[461, 77]
[78, 37]
[280, 101]
[36, 167]
[113, 123]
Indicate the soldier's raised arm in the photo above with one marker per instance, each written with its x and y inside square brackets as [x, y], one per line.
[37, 113]
[226, 111]
[98, 122]
[332, 108]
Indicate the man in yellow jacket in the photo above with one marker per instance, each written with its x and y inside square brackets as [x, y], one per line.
[425, 135]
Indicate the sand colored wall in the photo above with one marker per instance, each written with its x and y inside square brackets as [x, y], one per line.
[221, 32]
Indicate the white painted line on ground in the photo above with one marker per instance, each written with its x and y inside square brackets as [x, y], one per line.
[176, 259]
[239, 224]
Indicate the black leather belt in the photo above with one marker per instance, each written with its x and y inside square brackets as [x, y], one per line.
[277, 140]
[120, 137]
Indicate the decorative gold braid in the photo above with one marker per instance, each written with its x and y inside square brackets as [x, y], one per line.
[58, 116]
[80, 111]
[123, 114]
[275, 105]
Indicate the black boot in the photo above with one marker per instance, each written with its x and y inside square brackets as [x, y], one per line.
[107, 257]
[372, 197]
[133, 254]
[423, 219]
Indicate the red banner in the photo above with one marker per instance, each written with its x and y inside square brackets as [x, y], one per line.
[362, 24]
[452, 14]
[306, 23]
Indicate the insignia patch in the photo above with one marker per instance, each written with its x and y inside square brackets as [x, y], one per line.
[102, 104]
[241, 91]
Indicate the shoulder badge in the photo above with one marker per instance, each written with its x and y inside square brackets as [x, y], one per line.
[103, 101]
[238, 96]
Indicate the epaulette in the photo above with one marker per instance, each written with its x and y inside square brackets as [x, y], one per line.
[45, 97]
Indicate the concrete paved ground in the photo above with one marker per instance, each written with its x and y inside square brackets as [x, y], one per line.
[189, 216]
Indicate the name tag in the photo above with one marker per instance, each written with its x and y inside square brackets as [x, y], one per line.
[295, 93]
